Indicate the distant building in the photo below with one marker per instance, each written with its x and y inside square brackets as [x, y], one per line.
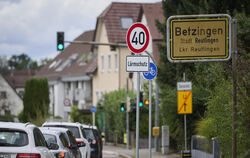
[70, 77]
[111, 27]
[10, 101]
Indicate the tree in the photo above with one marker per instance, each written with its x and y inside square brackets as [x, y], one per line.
[4, 70]
[36, 101]
[207, 77]
[20, 62]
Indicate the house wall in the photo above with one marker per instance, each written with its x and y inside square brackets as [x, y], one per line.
[105, 80]
[13, 102]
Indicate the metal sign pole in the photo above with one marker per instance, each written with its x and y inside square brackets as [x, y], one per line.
[185, 120]
[150, 119]
[93, 114]
[137, 114]
[127, 118]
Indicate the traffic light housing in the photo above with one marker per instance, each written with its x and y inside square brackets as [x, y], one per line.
[146, 102]
[60, 41]
[122, 108]
[141, 99]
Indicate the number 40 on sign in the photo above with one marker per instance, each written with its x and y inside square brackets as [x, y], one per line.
[138, 38]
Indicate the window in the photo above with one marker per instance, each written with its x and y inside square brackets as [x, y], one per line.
[126, 22]
[73, 129]
[101, 95]
[116, 62]
[109, 62]
[102, 63]
[63, 140]
[50, 138]
[97, 96]
[3, 95]
[39, 139]
[13, 138]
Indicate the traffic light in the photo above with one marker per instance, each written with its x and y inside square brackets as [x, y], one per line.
[141, 99]
[146, 102]
[122, 106]
[60, 41]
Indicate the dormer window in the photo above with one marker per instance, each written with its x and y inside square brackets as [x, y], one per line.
[126, 22]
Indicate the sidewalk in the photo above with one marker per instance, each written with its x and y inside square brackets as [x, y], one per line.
[131, 153]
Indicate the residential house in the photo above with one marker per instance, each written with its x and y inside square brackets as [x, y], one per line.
[70, 77]
[10, 101]
[111, 27]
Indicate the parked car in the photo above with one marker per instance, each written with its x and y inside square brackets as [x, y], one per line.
[68, 140]
[21, 140]
[94, 139]
[57, 137]
[77, 130]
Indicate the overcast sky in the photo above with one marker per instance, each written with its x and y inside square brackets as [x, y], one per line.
[30, 26]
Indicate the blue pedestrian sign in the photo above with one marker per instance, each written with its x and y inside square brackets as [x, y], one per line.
[151, 73]
[93, 109]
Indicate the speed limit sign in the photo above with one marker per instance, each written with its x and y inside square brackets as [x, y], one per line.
[137, 37]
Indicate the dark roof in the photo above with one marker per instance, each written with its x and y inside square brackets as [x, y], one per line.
[17, 78]
[75, 60]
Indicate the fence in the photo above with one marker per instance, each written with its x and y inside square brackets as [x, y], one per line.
[204, 148]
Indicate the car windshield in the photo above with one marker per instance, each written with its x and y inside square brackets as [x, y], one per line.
[73, 129]
[15, 138]
[89, 133]
[50, 138]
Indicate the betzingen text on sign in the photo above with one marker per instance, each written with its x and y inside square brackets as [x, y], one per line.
[199, 38]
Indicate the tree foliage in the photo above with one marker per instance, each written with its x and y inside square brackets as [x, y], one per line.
[36, 101]
[78, 116]
[212, 82]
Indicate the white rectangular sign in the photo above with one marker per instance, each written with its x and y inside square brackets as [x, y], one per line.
[184, 86]
[137, 63]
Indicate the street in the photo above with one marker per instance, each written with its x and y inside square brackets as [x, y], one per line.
[110, 151]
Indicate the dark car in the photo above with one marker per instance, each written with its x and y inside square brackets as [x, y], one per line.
[94, 139]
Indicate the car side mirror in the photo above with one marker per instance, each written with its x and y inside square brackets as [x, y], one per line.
[53, 146]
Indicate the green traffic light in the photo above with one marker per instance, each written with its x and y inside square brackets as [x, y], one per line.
[140, 104]
[122, 109]
[60, 46]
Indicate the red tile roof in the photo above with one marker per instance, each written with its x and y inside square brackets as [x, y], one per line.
[75, 60]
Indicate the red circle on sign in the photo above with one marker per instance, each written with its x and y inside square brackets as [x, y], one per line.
[140, 25]
[66, 102]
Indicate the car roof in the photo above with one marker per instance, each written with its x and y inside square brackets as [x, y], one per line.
[62, 123]
[47, 131]
[15, 125]
[61, 129]
[89, 126]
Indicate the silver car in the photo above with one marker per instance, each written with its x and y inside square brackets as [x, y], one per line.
[67, 139]
[19, 140]
[57, 138]
[77, 130]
